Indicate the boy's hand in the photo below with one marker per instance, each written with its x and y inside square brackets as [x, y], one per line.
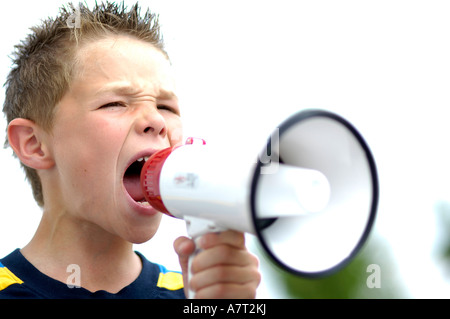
[224, 269]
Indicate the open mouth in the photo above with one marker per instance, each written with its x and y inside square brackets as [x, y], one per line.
[132, 181]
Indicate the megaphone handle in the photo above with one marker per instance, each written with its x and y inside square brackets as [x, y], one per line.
[197, 227]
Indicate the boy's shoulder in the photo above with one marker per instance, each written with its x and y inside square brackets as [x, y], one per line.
[11, 286]
[19, 279]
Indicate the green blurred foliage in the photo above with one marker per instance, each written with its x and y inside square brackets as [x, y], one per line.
[442, 247]
[350, 282]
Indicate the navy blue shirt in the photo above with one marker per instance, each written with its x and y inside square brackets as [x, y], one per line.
[20, 279]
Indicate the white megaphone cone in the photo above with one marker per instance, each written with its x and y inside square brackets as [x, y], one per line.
[311, 198]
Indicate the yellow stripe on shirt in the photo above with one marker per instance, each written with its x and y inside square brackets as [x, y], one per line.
[170, 280]
[7, 278]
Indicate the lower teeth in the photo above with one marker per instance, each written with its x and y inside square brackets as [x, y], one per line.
[144, 203]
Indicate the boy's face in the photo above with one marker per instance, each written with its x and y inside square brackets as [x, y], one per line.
[121, 107]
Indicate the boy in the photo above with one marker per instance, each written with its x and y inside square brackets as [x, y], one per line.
[86, 102]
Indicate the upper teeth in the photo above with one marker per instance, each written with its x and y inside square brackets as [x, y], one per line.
[143, 158]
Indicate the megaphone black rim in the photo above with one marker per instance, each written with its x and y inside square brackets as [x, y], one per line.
[286, 125]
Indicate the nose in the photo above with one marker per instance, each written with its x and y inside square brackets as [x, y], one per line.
[151, 129]
[152, 123]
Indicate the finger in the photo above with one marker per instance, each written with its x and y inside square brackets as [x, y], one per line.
[227, 291]
[229, 237]
[184, 247]
[223, 255]
[225, 275]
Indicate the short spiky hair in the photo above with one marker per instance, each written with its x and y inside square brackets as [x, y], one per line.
[44, 63]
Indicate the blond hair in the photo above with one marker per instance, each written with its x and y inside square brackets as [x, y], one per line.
[44, 63]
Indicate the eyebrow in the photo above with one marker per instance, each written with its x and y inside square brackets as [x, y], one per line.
[124, 88]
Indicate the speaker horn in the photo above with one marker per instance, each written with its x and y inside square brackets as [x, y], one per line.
[310, 199]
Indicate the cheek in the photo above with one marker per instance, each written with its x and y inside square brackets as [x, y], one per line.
[175, 131]
[86, 155]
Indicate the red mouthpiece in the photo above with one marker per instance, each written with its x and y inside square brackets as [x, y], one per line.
[150, 175]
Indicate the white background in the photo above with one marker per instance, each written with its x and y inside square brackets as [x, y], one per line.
[243, 66]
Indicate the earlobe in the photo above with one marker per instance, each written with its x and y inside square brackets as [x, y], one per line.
[25, 138]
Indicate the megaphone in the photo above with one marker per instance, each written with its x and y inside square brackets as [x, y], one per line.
[310, 198]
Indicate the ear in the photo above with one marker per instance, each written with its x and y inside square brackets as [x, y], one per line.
[26, 139]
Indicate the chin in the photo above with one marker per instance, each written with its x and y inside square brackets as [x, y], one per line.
[142, 233]
[141, 239]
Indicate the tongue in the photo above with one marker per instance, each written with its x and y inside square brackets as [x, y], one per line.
[132, 184]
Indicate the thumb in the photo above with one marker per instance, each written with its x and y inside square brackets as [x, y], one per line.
[184, 247]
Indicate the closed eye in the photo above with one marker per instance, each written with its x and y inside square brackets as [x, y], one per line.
[113, 104]
[167, 108]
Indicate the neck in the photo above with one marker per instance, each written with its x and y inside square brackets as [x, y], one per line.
[106, 261]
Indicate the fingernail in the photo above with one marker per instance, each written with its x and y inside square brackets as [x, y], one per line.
[200, 242]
